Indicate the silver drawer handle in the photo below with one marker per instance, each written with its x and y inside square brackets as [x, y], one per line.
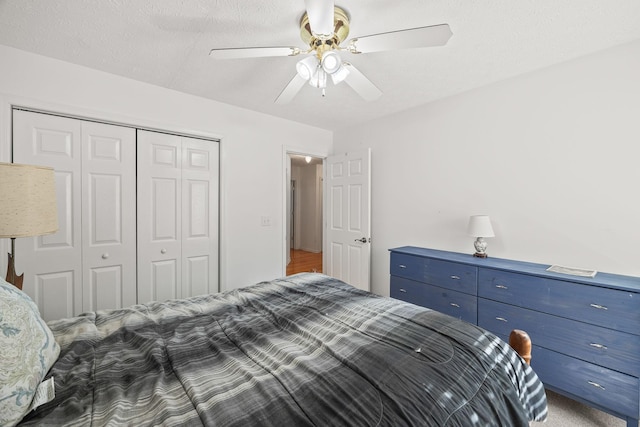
[501, 287]
[455, 277]
[600, 346]
[402, 266]
[403, 290]
[453, 304]
[502, 319]
[599, 307]
[596, 385]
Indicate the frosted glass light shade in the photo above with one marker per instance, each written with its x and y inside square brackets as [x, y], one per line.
[28, 204]
[331, 61]
[480, 226]
[339, 75]
[319, 79]
[307, 67]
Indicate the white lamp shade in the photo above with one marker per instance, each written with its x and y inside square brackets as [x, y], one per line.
[331, 61]
[307, 67]
[480, 226]
[339, 75]
[319, 79]
[28, 204]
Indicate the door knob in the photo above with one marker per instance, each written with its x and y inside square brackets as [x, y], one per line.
[163, 251]
[363, 240]
[105, 255]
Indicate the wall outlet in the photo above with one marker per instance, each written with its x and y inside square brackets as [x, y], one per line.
[265, 221]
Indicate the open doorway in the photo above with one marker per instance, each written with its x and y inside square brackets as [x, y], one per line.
[304, 219]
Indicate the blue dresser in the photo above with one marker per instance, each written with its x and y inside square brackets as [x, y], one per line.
[585, 331]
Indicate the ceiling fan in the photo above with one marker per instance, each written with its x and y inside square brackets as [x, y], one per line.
[323, 28]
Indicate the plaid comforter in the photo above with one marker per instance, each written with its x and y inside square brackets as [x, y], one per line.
[307, 350]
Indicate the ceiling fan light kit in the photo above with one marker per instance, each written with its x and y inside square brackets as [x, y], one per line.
[323, 28]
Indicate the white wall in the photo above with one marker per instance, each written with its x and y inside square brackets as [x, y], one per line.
[251, 148]
[308, 207]
[552, 156]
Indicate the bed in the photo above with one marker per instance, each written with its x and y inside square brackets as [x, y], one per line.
[306, 350]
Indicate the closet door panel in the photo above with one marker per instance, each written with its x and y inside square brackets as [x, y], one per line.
[198, 275]
[52, 264]
[159, 216]
[56, 294]
[106, 286]
[165, 279]
[200, 216]
[109, 216]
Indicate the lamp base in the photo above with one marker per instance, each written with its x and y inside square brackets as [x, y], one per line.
[12, 278]
[481, 248]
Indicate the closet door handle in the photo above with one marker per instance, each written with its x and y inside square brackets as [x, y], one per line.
[502, 319]
[105, 255]
[598, 306]
[163, 251]
[453, 304]
[501, 287]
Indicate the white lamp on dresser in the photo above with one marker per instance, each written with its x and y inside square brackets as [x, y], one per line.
[480, 227]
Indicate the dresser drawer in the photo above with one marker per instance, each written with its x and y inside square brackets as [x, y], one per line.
[611, 308]
[605, 387]
[407, 266]
[407, 290]
[612, 349]
[453, 275]
[456, 304]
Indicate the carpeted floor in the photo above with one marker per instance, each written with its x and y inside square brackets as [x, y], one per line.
[564, 412]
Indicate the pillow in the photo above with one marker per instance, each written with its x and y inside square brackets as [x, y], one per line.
[27, 352]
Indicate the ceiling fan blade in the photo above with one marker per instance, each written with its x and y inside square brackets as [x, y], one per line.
[362, 85]
[253, 52]
[321, 14]
[434, 35]
[290, 90]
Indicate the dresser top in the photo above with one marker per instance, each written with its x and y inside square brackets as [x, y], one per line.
[615, 281]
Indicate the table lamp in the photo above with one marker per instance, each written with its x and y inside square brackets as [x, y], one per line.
[28, 207]
[480, 227]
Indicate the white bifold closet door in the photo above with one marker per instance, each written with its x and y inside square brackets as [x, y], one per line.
[177, 216]
[90, 263]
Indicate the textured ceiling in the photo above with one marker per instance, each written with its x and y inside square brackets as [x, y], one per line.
[166, 43]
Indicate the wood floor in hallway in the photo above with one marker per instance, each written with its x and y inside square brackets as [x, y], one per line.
[303, 261]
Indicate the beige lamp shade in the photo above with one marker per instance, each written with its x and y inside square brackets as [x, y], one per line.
[28, 204]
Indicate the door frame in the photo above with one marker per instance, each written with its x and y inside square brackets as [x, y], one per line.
[286, 151]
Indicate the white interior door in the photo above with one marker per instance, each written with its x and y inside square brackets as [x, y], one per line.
[109, 216]
[159, 216]
[199, 216]
[177, 216]
[52, 264]
[348, 206]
